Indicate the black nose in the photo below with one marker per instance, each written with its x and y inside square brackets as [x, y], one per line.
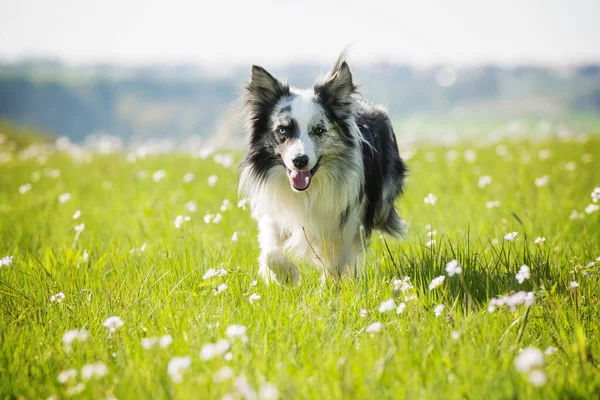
[300, 161]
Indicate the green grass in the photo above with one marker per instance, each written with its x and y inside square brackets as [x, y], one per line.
[308, 341]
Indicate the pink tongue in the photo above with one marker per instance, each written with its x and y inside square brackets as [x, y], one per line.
[300, 179]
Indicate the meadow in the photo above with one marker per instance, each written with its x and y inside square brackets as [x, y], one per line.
[134, 276]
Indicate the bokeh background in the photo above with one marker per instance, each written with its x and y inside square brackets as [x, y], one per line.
[119, 73]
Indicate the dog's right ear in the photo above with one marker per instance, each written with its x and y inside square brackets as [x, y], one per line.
[263, 87]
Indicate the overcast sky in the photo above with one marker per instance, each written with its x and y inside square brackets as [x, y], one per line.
[222, 32]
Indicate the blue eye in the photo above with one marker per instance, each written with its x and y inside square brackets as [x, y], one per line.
[282, 131]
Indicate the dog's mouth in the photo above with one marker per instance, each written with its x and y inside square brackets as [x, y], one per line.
[300, 180]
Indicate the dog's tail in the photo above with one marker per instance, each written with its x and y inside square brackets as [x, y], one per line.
[394, 225]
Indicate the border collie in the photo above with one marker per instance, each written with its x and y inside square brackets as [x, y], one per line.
[321, 172]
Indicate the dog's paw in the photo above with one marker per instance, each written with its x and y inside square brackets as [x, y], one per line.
[276, 267]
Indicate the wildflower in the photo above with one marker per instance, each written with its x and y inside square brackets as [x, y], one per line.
[234, 237]
[113, 323]
[223, 374]
[177, 366]
[225, 205]
[63, 198]
[544, 153]
[438, 310]
[539, 240]
[430, 243]
[212, 180]
[253, 283]
[591, 208]
[75, 390]
[523, 274]
[225, 160]
[596, 195]
[165, 341]
[512, 301]
[432, 233]
[436, 282]
[470, 156]
[148, 343]
[575, 215]
[191, 206]
[222, 287]
[550, 350]
[453, 268]
[244, 388]
[57, 298]
[455, 335]
[159, 175]
[587, 158]
[387, 305]
[570, 166]
[74, 335]
[254, 297]
[211, 350]
[77, 214]
[178, 221]
[85, 257]
[510, 236]
[79, 228]
[208, 218]
[363, 313]
[574, 285]
[542, 181]
[403, 285]
[537, 378]
[67, 376]
[401, 308]
[268, 392]
[6, 261]
[430, 199]
[451, 155]
[214, 272]
[530, 358]
[492, 204]
[242, 203]
[95, 370]
[235, 331]
[374, 327]
[25, 188]
[187, 178]
[217, 219]
[484, 181]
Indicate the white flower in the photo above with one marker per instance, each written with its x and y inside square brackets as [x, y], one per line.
[455, 335]
[77, 214]
[212, 180]
[523, 274]
[470, 156]
[544, 153]
[25, 188]
[242, 204]
[254, 297]
[177, 366]
[484, 181]
[159, 175]
[512, 301]
[542, 181]
[529, 359]
[214, 272]
[6, 261]
[178, 221]
[510, 236]
[492, 204]
[550, 350]
[113, 323]
[363, 313]
[223, 374]
[432, 233]
[63, 198]
[403, 285]
[225, 205]
[570, 166]
[79, 228]
[438, 310]
[222, 287]
[244, 388]
[574, 285]
[165, 341]
[430, 199]
[430, 243]
[537, 378]
[57, 298]
[387, 305]
[401, 308]
[210, 350]
[208, 218]
[575, 215]
[187, 178]
[95, 370]
[67, 375]
[74, 390]
[73, 335]
[85, 256]
[234, 237]
[591, 208]
[539, 240]
[596, 195]
[191, 206]
[148, 343]
[253, 283]
[436, 282]
[268, 392]
[453, 268]
[217, 219]
[374, 327]
[235, 331]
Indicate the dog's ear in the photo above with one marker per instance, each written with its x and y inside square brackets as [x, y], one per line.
[336, 90]
[263, 87]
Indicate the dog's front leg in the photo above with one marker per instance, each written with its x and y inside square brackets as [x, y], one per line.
[274, 265]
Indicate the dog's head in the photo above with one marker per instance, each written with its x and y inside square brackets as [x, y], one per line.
[299, 131]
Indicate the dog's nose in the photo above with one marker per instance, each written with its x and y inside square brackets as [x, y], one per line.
[300, 161]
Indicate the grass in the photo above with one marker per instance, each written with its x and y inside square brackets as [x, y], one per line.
[309, 341]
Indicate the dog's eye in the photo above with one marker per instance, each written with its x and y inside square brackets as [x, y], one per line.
[282, 130]
[318, 130]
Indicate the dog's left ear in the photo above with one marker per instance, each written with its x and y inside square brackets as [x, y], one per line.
[264, 87]
[336, 89]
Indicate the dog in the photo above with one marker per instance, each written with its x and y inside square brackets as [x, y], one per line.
[322, 171]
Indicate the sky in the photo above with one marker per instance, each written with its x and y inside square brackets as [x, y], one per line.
[220, 33]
